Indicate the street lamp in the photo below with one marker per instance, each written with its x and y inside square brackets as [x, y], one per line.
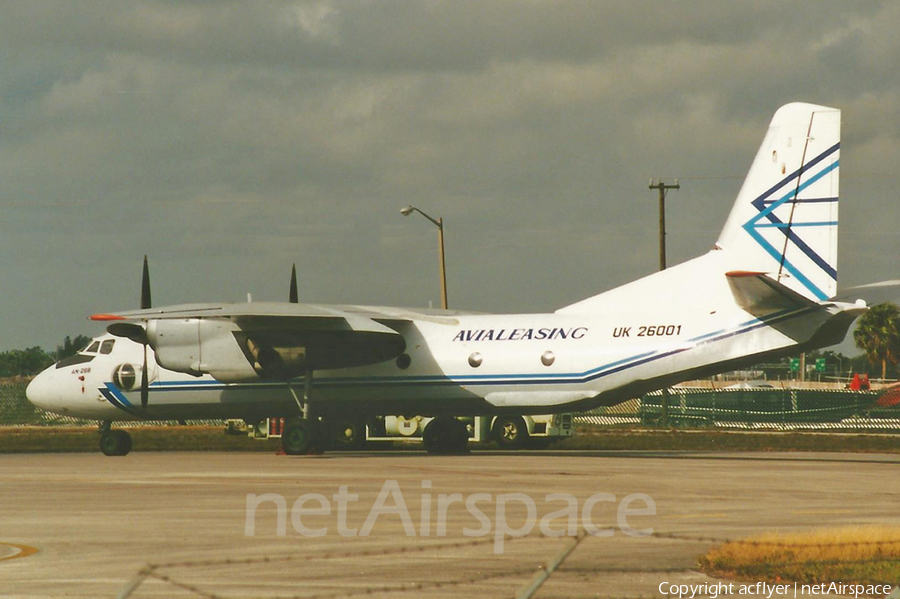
[439, 223]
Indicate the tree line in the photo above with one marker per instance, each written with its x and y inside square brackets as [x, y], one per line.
[30, 361]
[878, 335]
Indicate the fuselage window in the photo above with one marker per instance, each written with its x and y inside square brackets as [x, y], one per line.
[93, 348]
[107, 346]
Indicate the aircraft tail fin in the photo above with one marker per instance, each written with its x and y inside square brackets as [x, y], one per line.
[784, 221]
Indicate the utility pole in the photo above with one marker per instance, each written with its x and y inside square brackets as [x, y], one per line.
[663, 187]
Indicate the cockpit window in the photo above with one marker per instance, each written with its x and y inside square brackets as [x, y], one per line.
[87, 354]
[73, 360]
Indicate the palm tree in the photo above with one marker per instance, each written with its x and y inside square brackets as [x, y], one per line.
[878, 334]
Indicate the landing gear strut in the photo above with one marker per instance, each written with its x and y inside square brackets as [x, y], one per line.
[445, 435]
[301, 434]
[113, 442]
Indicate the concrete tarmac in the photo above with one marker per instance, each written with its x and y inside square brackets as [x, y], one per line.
[83, 525]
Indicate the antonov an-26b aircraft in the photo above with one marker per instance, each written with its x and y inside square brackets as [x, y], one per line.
[767, 289]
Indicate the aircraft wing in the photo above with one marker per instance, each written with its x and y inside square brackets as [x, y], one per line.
[277, 339]
[282, 310]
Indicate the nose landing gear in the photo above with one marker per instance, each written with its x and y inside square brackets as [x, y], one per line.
[113, 442]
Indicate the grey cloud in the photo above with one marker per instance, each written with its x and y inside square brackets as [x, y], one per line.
[228, 140]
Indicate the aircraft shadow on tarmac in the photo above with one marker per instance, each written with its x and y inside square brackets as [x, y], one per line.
[840, 458]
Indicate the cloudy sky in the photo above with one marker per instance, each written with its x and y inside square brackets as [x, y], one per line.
[230, 140]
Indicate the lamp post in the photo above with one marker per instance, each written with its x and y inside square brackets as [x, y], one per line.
[439, 223]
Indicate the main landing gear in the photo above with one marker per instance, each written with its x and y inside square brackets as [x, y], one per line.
[510, 432]
[300, 437]
[302, 434]
[445, 435]
[113, 442]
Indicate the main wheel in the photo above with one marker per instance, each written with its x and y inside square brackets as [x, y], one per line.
[299, 437]
[510, 432]
[347, 434]
[445, 435]
[115, 443]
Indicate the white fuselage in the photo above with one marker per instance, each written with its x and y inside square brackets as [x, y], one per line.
[601, 352]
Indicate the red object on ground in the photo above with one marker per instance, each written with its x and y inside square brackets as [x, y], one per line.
[890, 397]
[860, 382]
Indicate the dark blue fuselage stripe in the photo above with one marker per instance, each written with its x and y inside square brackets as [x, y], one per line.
[499, 380]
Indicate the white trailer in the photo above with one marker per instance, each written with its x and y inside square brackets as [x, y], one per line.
[509, 431]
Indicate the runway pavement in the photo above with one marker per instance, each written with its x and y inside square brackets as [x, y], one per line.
[95, 521]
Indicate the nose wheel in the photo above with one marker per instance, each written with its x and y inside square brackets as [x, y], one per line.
[115, 443]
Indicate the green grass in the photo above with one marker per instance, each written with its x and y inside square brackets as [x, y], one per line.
[196, 438]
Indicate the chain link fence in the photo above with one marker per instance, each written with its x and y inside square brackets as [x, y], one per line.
[763, 409]
[15, 410]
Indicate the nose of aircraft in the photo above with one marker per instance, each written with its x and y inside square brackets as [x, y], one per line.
[43, 393]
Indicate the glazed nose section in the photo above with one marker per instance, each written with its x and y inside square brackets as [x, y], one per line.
[44, 392]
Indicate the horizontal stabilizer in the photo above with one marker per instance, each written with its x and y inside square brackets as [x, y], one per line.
[873, 293]
[757, 293]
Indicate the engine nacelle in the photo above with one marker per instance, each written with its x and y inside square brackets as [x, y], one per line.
[199, 346]
[231, 354]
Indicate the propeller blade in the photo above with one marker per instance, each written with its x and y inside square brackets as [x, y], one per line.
[294, 298]
[145, 382]
[145, 287]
